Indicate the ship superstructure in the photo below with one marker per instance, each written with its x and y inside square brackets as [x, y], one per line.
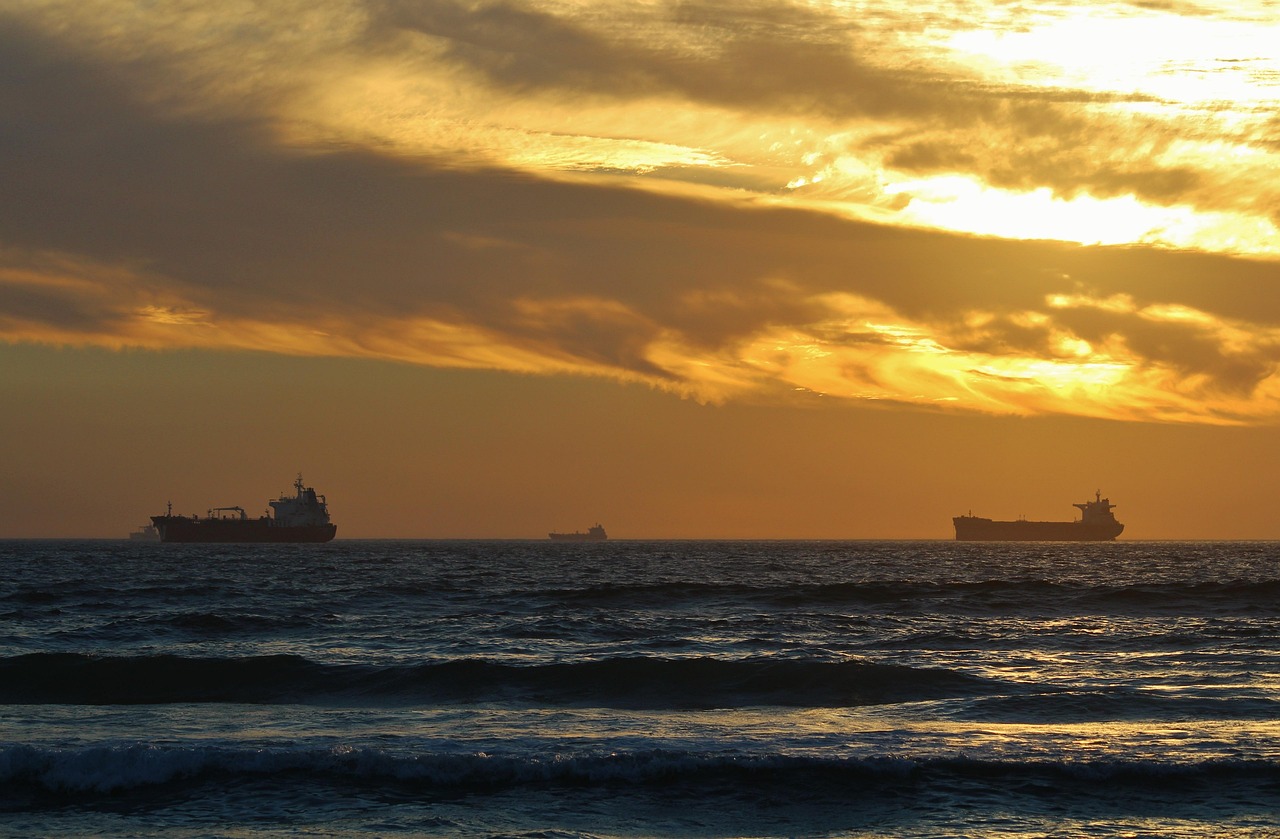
[304, 517]
[594, 534]
[1096, 524]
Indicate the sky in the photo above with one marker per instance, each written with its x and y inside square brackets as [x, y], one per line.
[698, 269]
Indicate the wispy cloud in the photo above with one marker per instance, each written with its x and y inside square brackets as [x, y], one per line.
[256, 212]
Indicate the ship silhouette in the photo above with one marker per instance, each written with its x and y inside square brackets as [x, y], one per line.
[594, 534]
[302, 518]
[1096, 524]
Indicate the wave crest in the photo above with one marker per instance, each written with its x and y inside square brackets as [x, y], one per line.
[75, 679]
[121, 768]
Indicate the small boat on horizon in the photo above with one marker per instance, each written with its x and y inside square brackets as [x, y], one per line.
[593, 534]
[145, 533]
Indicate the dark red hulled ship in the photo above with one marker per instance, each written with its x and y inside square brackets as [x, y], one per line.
[302, 518]
[1096, 524]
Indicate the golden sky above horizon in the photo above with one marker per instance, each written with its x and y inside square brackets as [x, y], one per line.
[1048, 211]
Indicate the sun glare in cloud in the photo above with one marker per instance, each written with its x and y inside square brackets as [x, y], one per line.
[866, 353]
[1191, 61]
[964, 204]
[1200, 67]
[414, 97]
[1100, 124]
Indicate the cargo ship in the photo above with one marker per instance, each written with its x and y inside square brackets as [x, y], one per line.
[1096, 524]
[593, 534]
[302, 518]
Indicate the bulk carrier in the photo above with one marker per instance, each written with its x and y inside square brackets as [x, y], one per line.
[1096, 524]
[302, 518]
[595, 533]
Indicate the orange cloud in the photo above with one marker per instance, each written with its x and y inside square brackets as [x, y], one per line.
[133, 220]
[1078, 355]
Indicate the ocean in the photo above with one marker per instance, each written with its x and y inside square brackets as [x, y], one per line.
[639, 689]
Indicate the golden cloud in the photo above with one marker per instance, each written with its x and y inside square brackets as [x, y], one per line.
[668, 193]
[858, 350]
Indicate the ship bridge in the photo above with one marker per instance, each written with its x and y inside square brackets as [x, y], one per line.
[1097, 510]
[305, 509]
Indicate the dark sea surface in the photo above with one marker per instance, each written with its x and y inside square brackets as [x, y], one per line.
[639, 689]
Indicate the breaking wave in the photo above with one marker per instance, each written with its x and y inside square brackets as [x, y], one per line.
[27, 771]
[73, 678]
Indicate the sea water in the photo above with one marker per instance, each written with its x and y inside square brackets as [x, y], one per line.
[636, 689]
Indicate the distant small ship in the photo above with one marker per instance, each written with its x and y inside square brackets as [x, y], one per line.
[593, 534]
[302, 518]
[146, 533]
[1096, 524]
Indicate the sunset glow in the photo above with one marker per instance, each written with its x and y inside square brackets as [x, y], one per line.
[1040, 210]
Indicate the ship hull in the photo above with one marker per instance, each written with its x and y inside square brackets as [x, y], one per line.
[185, 529]
[975, 529]
[575, 537]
